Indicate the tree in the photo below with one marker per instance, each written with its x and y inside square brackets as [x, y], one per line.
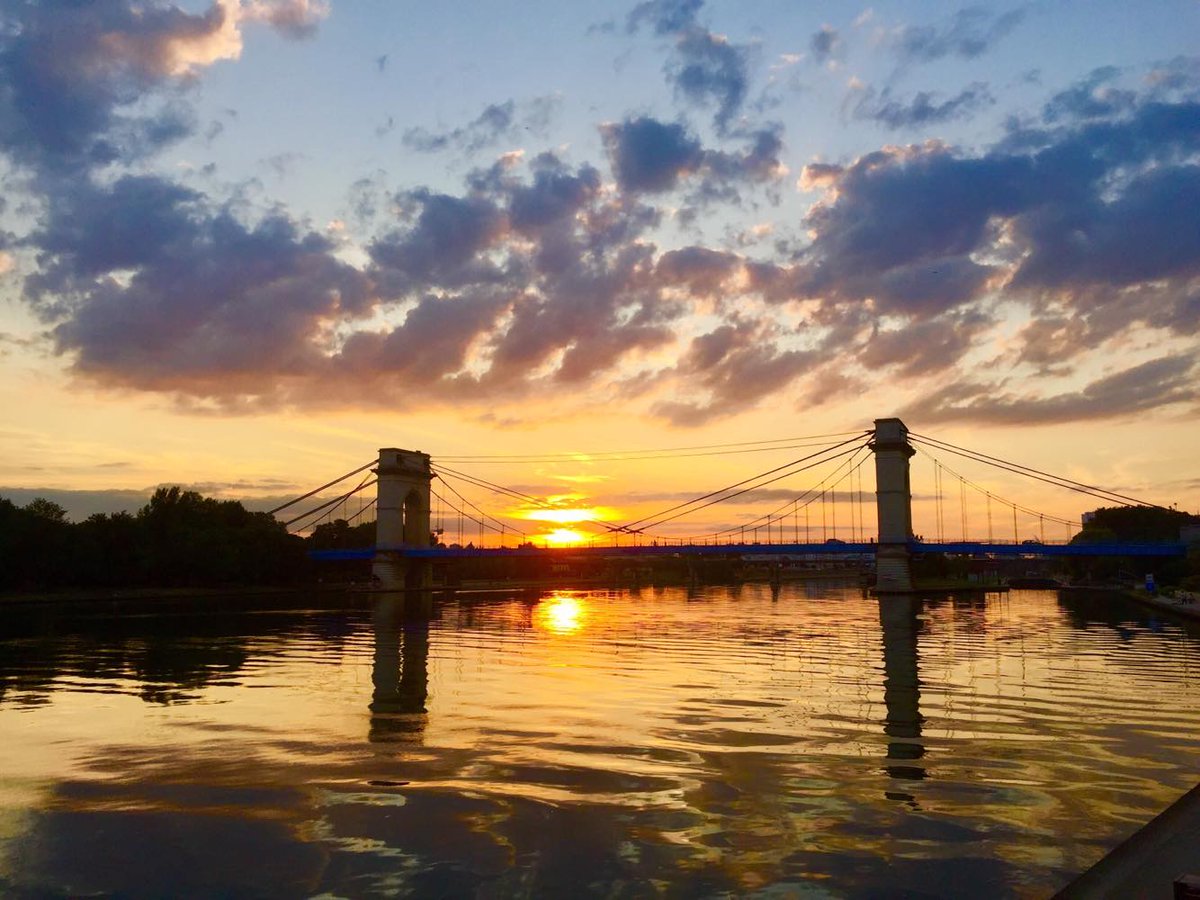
[46, 509]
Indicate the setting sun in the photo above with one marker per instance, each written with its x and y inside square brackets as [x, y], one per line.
[563, 537]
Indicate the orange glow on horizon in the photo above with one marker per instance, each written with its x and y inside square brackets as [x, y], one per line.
[567, 516]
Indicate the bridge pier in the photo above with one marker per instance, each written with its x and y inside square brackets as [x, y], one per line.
[402, 509]
[893, 499]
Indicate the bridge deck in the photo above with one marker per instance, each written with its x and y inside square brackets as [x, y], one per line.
[828, 548]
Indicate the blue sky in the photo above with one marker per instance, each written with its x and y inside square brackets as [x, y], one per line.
[686, 215]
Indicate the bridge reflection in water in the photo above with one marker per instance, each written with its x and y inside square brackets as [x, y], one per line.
[898, 618]
[399, 667]
[722, 741]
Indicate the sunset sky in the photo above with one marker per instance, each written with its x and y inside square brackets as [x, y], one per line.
[245, 244]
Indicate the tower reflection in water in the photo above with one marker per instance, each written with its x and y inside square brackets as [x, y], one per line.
[400, 666]
[898, 617]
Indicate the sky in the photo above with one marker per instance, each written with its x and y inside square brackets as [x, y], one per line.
[244, 244]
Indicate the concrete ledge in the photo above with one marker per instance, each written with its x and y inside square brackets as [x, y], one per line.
[1148, 863]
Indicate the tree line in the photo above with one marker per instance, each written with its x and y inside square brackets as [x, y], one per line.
[183, 539]
[178, 539]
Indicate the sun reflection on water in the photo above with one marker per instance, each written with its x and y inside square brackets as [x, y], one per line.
[561, 614]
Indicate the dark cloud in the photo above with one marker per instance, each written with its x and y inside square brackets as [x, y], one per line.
[498, 121]
[203, 298]
[649, 156]
[1095, 96]
[74, 77]
[441, 243]
[733, 368]
[825, 44]
[664, 16]
[921, 109]
[924, 222]
[968, 34]
[1158, 383]
[1149, 231]
[709, 70]
[705, 68]
[924, 347]
[431, 344]
[553, 193]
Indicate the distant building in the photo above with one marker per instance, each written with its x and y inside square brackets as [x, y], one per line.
[1190, 533]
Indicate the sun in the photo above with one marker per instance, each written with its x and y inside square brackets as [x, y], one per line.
[563, 537]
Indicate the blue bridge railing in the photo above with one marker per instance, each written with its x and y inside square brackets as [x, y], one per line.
[827, 548]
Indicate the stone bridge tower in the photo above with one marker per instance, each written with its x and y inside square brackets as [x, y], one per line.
[402, 518]
[893, 498]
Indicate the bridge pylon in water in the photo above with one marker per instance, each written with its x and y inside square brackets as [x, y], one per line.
[893, 499]
[402, 518]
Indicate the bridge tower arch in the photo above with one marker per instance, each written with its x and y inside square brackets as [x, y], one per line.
[893, 499]
[402, 511]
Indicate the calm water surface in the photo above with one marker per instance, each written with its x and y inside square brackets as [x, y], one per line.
[723, 742]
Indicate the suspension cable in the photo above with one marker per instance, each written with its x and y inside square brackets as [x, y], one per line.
[722, 499]
[1017, 468]
[272, 512]
[982, 490]
[316, 509]
[657, 519]
[795, 501]
[621, 455]
[463, 514]
[473, 506]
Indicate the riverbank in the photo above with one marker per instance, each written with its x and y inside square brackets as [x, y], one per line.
[165, 595]
[80, 596]
[1182, 604]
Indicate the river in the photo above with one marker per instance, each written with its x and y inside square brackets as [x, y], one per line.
[809, 742]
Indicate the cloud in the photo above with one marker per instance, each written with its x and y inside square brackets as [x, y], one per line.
[664, 16]
[1095, 96]
[1158, 383]
[72, 75]
[705, 68]
[537, 281]
[441, 242]
[926, 346]
[732, 368]
[968, 34]
[650, 156]
[497, 122]
[296, 19]
[708, 69]
[825, 44]
[921, 109]
[206, 299]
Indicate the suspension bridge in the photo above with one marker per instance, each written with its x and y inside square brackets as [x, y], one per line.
[411, 515]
